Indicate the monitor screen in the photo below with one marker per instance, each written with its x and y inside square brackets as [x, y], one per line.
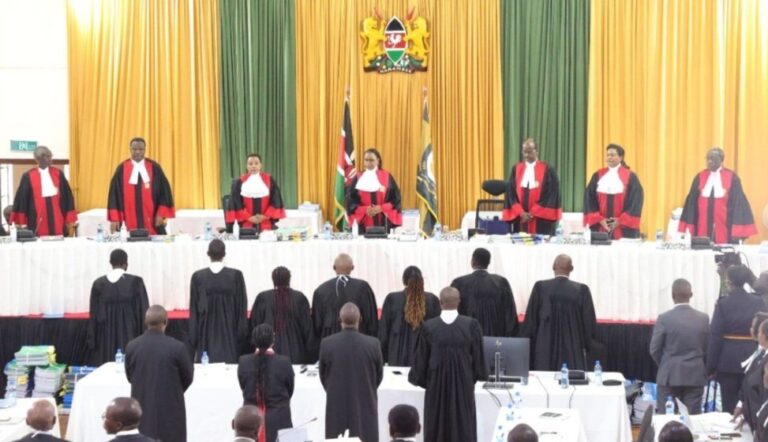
[514, 352]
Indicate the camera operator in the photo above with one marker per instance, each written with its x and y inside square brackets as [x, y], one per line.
[724, 261]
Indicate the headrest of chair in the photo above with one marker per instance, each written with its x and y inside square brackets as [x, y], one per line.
[495, 187]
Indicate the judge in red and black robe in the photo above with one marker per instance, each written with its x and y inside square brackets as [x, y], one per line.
[373, 198]
[139, 194]
[716, 206]
[532, 202]
[44, 201]
[255, 200]
[613, 200]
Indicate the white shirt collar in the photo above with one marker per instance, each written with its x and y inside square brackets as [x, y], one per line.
[682, 304]
[139, 168]
[448, 316]
[406, 439]
[610, 183]
[529, 176]
[127, 432]
[114, 275]
[216, 266]
[714, 182]
[254, 187]
[46, 183]
[369, 181]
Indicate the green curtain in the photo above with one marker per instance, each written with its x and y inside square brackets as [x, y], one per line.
[545, 58]
[258, 101]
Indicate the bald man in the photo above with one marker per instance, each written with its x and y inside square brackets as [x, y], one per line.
[160, 370]
[332, 294]
[41, 417]
[246, 424]
[44, 202]
[122, 419]
[560, 320]
[522, 433]
[351, 369]
[447, 363]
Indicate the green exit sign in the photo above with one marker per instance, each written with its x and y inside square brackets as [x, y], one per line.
[23, 145]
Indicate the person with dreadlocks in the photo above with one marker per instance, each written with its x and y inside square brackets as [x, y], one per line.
[266, 379]
[402, 315]
[287, 311]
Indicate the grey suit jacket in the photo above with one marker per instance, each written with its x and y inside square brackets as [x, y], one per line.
[679, 346]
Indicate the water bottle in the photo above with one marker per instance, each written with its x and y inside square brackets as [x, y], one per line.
[208, 231]
[510, 411]
[119, 361]
[100, 232]
[327, 231]
[587, 235]
[204, 359]
[236, 230]
[355, 232]
[687, 239]
[669, 406]
[12, 228]
[518, 400]
[598, 374]
[564, 376]
[437, 232]
[559, 234]
[10, 388]
[124, 233]
[659, 237]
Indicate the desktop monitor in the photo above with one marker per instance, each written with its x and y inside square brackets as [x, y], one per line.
[514, 360]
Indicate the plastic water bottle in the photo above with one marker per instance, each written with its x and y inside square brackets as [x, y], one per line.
[120, 361]
[208, 231]
[10, 388]
[204, 359]
[587, 235]
[437, 232]
[559, 234]
[236, 230]
[598, 374]
[100, 232]
[12, 228]
[564, 376]
[355, 233]
[327, 231]
[659, 237]
[124, 233]
[687, 239]
[669, 406]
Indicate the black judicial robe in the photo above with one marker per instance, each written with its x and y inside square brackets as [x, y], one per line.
[243, 208]
[218, 321]
[752, 393]
[388, 197]
[116, 315]
[294, 335]
[542, 202]
[488, 298]
[398, 338]
[334, 293]
[351, 369]
[626, 207]
[448, 362]
[279, 390]
[40, 437]
[761, 426]
[137, 205]
[730, 215]
[560, 320]
[44, 216]
[160, 371]
[133, 438]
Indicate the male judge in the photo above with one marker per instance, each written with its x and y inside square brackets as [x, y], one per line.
[532, 201]
[487, 297]
[447, 363]
[44, 201]
[332, 294]
[560, 320]
[679, 346]
[41, 417]
[716, 206]
[351, 369]
[246, 424]
[404, 423]
[160, 371]
[139, 193]
[218, 320]
[117, 307]
[122, 419]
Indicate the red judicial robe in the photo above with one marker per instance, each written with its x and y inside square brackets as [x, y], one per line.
[137, 205]
[388, 197]
[542, 201]
[730, 215]
[243, 208]
[44, 216]
[626, 207]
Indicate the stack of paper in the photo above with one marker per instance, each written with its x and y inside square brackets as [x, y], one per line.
[48, 380]
[36, 355]
[18, 374]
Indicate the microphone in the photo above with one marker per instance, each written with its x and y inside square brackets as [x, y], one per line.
[543, 388]
[306, 423]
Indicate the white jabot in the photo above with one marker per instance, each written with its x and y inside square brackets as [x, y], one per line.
[139, 168]
[46, 183]
[254, 187]
[745, 364]
[369, 181]
[448, 316]
[610, 183]
[216, 266]
[114, 275]
[127, 432]
[529, 176]
[714, 182]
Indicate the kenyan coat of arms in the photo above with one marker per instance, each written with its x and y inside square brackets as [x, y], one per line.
[394, 45]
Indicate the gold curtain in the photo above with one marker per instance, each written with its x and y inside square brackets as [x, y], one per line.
[463, 82]
[151, 69]
[670, 79]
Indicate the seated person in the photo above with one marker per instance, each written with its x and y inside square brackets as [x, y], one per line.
[41, 418]
[247, 423]
[522, 433]
[122, 419]
[404, 423]
[675, 432]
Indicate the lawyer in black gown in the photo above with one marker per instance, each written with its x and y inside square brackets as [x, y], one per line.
[401, 318]
[752, 394]
[218, 320]
[332, 294]
[41, 418]
[560, 320]
[487, 297]
[287, 312]
[351, 370]
[160, 371]
[448, 362]
[117, 307]
[266, 379]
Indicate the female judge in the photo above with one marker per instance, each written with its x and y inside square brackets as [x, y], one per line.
[266, 379]
[255, 200]
[613, 200]
[373, 198]
[401, 317]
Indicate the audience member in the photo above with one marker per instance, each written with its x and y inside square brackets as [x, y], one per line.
[404, 423]
[122, 419]
[761, 424]
[247, 424]
[752, 393]
[41, 418]
[675, 432]
[522, 433]
[761, 286]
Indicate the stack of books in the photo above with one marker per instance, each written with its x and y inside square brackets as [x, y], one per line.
[36, 355]
[18, 376]
[48, 380]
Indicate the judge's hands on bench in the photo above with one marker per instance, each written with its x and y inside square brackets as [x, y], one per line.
[373, 210]
[609, 224]
[525, 217]
[257, 219]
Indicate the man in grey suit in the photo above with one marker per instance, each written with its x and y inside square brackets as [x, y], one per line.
[679, 346]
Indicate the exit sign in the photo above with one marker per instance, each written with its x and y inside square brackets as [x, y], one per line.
[23, 145]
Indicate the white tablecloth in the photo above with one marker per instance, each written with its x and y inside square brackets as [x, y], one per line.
[629, 282]
[215, 395]
[573, 222]
[13, 420]
[564, 428]
[705, 425]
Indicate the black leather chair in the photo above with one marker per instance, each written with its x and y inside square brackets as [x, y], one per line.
[225, 204]
[495, 226]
